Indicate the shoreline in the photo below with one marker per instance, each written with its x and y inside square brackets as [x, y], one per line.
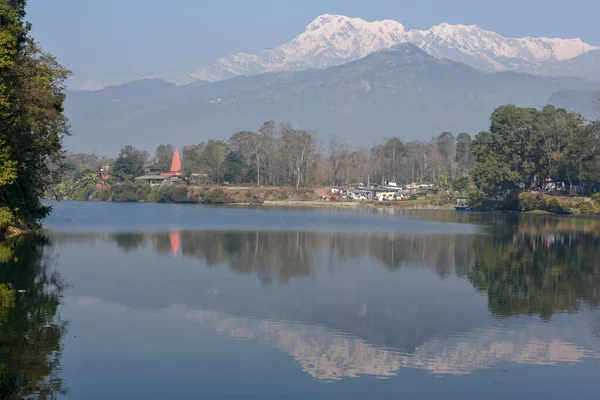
[356, 205]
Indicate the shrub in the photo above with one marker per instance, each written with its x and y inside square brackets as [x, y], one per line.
[83, 193]
[530, 201]
[7, 220]
[443, 198]
[131, 192]
[170, 194]
[179, 194]
[103, 193]
[214, 196]
[586, 208]
[596, 196]
[278, 196]
[475, 198]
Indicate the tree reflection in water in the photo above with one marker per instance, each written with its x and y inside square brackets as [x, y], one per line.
[31, 330]
[526, 265]
[540, 266]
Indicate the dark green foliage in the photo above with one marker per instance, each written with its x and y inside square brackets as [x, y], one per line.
[526, 146]
[532, 201]
[169, 194]
[7, 219]
[523, 273]
[129, 164]
[131, 192]
[32, 122]
[461, 183]
[31, 329]
[214, 196]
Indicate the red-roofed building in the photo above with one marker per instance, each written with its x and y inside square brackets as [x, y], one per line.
[155, 178]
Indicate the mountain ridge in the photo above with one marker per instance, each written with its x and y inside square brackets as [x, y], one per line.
[335, 39]
[332, 39]
[402, 91]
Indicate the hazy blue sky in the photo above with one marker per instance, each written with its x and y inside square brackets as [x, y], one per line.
[111, 38]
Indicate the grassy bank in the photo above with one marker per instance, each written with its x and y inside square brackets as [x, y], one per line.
[143, 193]
[243, 195]
[534, 202]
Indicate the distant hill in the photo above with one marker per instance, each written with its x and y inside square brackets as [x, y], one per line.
[402, 91]
[581, 101]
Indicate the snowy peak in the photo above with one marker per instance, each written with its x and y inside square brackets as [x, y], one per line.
[336, 39]
[471, 40]
[332, 40]
[327, 41]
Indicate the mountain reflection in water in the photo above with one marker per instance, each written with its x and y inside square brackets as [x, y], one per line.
[521, 290]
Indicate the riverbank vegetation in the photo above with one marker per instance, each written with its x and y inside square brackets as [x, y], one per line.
[529, 160]
[32, 122]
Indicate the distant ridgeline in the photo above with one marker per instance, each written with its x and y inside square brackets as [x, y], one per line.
[401, 91]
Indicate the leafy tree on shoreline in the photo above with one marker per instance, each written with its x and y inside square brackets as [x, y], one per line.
[32, 121]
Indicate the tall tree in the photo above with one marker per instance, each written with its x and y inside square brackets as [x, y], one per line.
[464, 158]
[192, 158]
[213, 159]
[129, 164]
[163, 156]
[32, 121]
[338, 157]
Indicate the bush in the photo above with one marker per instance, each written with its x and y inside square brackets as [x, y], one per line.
[179, 194]
[214, 196]
[131, 192]
[442, 199]
[278, 196]
[7, 220]
[82, 194]
[102, 193]
[596, 197]
[530, 201]
[169, 194]
[586, 208]
[475, 198]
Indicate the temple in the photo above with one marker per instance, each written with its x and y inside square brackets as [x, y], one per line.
[154, 176]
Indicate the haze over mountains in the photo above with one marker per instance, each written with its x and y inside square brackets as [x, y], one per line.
[399, 92]
[343, 76]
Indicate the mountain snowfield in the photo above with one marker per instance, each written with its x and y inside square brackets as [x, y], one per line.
[336, 39]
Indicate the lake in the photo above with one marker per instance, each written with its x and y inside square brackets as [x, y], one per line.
[157, 301]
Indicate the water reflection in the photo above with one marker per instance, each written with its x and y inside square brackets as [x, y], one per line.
[31, 329]
[343, 304]
[540, 266]
[526, 266]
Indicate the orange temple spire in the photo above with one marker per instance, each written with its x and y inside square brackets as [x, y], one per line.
[176, 163]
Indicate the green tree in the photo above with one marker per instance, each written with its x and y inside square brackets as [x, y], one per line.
[31, 329]
[129, 164]
[213, 160]
[32, 122]
[163, 157]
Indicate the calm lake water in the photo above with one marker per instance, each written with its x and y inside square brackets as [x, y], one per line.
[153, 301]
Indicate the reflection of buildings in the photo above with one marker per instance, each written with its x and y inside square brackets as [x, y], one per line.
[174, 236]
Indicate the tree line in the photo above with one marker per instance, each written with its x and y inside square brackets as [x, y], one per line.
[278, 154]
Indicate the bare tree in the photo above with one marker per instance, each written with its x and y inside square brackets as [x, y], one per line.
[338, 157]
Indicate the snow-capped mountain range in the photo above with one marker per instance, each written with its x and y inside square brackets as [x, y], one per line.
[336, 39]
